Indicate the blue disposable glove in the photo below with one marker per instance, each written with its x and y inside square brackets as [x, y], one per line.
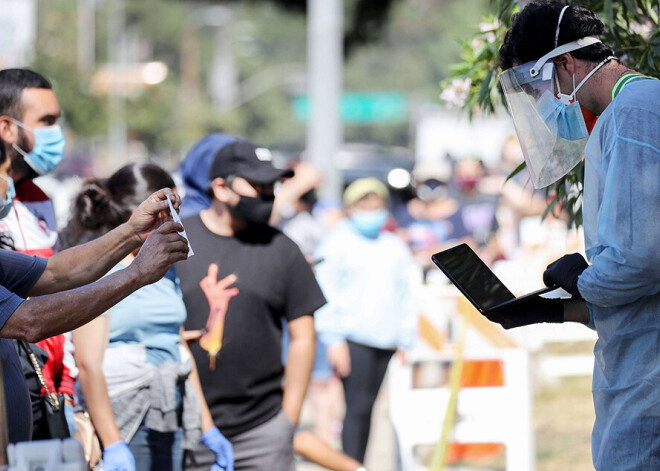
[224, 452]
[117, 457]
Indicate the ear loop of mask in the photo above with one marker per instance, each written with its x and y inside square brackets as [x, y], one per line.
[14, 146]
[568, 99]
[565, 99]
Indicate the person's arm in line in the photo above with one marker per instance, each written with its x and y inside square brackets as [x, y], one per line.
[91, 341]
[83, 264]
[313, 449]
[207, 419]
[212, 438]
[300, 361]
[49, 315]
[307, 178]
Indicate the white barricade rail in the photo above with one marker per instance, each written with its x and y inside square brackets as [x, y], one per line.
[420, 390]
[484, 414]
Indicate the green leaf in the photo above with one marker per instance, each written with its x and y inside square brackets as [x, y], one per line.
[485, 90]
[550, 207]
[650, 61]
[609, 12]
[516, 171]
[651, 12]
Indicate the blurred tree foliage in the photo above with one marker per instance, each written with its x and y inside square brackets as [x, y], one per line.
[405, 46]
[632, 28]
[366, 22]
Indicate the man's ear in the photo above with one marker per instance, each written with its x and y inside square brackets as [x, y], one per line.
[219, 189]
[565, 63]
[8, 130]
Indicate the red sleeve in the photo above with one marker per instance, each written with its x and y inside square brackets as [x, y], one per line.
[67, 383]
[53, 368]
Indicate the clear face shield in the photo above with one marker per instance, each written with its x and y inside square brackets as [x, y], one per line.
[552, 135]
[549, 124]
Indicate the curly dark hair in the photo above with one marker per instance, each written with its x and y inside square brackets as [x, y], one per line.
[103, 204]
[532, 33]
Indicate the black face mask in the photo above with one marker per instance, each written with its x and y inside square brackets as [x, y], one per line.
[254, 209]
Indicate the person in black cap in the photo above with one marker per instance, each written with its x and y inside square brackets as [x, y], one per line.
[243, 382]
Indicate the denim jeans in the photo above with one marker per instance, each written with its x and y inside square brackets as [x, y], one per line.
[159, 451]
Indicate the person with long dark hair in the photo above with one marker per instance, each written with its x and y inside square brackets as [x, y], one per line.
[138, 380]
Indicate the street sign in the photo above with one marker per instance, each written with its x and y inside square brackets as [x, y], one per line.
[361, 108]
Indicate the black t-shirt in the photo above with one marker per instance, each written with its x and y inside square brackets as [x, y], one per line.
[275, 281]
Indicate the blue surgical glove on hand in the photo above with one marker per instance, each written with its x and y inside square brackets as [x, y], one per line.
[565, 273]
[117, 457]
[224, 452]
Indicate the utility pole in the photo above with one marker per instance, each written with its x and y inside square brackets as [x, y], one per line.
[325, 73]
[86, 35]
[223, 73]
[117, 52]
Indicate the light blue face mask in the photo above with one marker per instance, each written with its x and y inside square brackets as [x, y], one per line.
[369, 223]
[6, 204]
[48, 148]
[565, 121]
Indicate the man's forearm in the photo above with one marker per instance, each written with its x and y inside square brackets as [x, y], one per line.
[576, 310]
[83, 264]
[53, 314]
[298, 371]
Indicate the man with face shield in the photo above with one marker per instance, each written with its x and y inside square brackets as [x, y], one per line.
[549, 48]
[243, 382]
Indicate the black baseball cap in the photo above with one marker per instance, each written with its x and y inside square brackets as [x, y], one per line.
[248, 161]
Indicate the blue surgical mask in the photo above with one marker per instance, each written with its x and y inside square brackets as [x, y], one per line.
[565, 121]
[369, 223]
[48, 148]
[6, 204]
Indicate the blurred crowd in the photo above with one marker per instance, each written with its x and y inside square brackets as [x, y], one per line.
[287, 297]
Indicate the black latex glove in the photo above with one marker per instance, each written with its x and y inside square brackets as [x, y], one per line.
[530, 311]
[565, 273]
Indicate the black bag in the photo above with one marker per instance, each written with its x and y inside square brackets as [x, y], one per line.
[52, 406]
